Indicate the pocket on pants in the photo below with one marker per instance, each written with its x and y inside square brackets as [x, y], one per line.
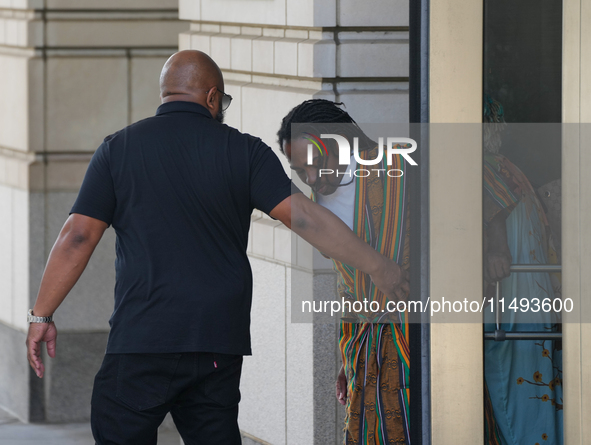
[143, 380]
[222, 387]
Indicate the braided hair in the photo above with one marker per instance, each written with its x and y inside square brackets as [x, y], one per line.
[313, 114]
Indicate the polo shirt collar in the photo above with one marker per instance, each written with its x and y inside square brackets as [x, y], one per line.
[180, 106]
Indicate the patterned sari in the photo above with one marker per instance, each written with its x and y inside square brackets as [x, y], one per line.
[375, 349]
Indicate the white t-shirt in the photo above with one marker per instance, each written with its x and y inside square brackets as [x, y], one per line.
[342, 201]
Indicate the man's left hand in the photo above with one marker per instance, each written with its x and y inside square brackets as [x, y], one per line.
[341, 387]
[39, 333]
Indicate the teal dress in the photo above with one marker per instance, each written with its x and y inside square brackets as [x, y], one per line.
[523, 377]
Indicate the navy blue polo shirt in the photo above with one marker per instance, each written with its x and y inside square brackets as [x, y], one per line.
[179, 189]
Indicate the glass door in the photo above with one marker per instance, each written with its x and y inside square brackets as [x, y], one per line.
[522, 201]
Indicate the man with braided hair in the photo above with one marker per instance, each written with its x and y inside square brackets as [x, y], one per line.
[373, 380]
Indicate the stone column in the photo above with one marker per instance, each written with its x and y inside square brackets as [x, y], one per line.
[275, 54]
[71, 72]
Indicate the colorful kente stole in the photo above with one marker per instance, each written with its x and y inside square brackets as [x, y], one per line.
[380, 218]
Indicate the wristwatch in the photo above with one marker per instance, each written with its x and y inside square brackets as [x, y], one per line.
[34, 319]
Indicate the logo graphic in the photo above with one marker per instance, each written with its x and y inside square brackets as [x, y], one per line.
[394, 146]
[313, 139]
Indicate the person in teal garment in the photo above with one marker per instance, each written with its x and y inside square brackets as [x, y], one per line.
[523, 378]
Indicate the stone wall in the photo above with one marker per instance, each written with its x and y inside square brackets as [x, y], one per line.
[71, 72]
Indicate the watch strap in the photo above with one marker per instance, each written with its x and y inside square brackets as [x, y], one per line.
[34, 319]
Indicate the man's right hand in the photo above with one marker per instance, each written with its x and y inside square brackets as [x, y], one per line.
[392, 279]
[38, 334]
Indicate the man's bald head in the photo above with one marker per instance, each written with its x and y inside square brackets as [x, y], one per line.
[188, 75]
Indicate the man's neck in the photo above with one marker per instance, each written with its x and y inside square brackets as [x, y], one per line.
[182, 97]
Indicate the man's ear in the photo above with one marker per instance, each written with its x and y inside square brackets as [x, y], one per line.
[211, 98]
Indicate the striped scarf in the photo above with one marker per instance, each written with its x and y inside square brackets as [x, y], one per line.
[380, 219]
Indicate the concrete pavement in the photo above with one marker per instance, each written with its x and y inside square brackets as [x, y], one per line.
[13, 432]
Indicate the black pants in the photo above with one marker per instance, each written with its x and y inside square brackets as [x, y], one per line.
[133, 393]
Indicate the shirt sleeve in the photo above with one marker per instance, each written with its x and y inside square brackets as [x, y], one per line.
[96, 198]
[269, 185]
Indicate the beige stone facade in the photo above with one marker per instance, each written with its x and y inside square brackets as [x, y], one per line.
[71, 73]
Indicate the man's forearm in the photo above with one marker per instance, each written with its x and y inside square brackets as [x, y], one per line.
[331, 236]
[67, 260]
[66, 264]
